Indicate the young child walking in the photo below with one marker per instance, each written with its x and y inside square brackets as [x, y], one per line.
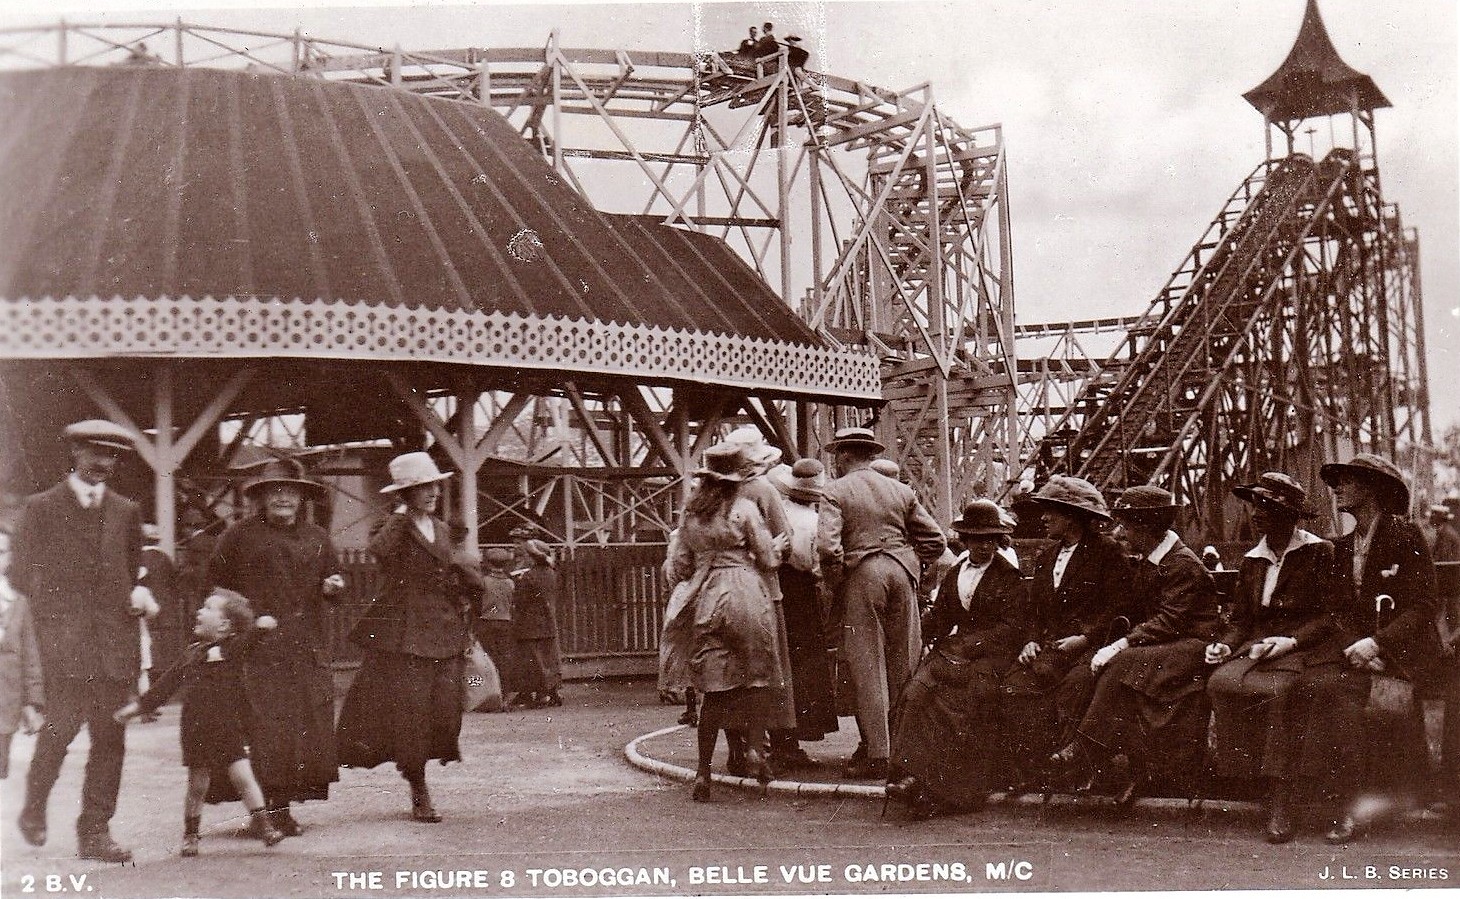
[215, 731]
[22, 694]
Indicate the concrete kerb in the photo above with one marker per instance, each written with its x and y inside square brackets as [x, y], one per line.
[636, 757]
[791, 787]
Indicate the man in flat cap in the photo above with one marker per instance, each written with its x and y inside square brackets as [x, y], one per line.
[78, 550]
[874, 537]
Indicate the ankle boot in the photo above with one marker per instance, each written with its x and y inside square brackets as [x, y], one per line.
[421, 808]
[264, 829]
[1279, 824]
[190, 836]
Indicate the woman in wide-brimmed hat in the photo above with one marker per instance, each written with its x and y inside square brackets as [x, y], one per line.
[289, 569]
[1280, 619]
[1385, 555]
[1149, 699]
[723, 551]
[760, 456]
[405, 705]
[949, 733]
[1076, 594]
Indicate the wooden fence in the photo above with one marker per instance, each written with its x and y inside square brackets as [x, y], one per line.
[611, 602]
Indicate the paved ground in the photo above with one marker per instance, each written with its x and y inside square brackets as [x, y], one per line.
[549, 791]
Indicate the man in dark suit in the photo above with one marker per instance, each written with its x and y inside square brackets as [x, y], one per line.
[78, 550]
[1075, 596]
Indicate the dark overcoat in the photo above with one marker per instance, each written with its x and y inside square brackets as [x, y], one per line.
[78, 567]
[534, 616]
[286, 677]
[949, 734]
[1302, 603]
[1179, 601]
[1090, 596]
[1398, 564]
[426, 602]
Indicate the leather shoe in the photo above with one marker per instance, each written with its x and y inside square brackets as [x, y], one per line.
[904, 790]
[285, 823]
[33, 828]
[1344, 830]
[701, 790]
[421, 808]
[101, 847]
[1279, 827]
[1072, 768]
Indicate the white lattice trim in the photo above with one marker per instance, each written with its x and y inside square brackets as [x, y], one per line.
[245, 328]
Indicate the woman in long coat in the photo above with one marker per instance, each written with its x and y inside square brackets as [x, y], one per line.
[1280, 621]
[1078, 590]
[724, 550]
[1149, 701]
[288, 569]
[1385, 555]
[535, 627]
[949, 731]
[405, 705]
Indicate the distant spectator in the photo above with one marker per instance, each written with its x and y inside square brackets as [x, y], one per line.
[796, 57]
[767, 45]
[747, 46]
[1445, 537]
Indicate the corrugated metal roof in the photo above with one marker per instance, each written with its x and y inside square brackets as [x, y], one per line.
[143, 182]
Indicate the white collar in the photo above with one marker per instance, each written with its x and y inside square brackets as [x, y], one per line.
[83, 489]
[1167, 544]
[1300, 538]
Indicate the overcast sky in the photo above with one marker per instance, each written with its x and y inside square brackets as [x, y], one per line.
[1124, 124]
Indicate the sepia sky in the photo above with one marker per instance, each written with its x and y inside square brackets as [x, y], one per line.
[1123, 120]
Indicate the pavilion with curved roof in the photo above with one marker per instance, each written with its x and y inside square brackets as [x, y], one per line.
[185, 244]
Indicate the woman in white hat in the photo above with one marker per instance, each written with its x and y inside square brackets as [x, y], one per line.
[723, 551]
[406, 703]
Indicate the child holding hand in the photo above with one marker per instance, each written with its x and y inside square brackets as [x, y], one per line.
[215, 731]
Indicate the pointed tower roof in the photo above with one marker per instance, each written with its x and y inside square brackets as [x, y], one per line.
[1314, 80]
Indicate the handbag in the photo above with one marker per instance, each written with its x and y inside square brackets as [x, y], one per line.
[1390, 696]
[483, 686]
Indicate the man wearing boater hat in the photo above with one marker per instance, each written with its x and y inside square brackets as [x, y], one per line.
[1384, 555]
[78, 550]
[874, 537]
[1075, 595]
[288, 568]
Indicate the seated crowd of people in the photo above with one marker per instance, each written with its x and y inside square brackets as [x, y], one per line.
[1112, 664]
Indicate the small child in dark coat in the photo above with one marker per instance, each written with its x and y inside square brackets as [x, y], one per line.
[215, 731]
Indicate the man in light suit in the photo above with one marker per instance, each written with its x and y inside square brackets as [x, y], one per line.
[78, 549]
[874, 537]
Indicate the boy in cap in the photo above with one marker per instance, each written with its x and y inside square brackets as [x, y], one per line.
[78, 550]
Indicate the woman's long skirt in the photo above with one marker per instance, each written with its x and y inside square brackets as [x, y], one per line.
[949, 731]
[495, 637]
[402, 708]
[1255, 730]
[539, 664]
[811, 664]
